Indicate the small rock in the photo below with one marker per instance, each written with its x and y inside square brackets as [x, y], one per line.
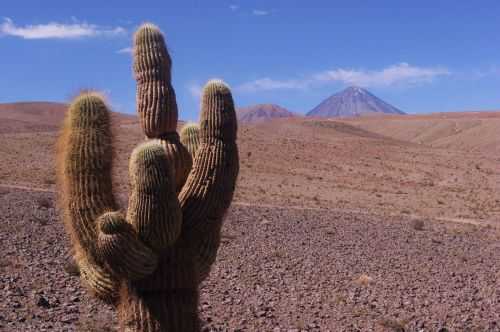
[42, 302]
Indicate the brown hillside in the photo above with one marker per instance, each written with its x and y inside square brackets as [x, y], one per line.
[360, 165]
[40, 117]
[470, 131]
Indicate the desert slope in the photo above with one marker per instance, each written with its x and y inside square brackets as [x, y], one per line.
[469, 131]
[41, 117]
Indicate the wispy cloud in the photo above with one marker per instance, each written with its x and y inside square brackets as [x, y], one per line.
[266, 83]
[126, 50]
[260, 12]
[195, 89]
[54, 30]
[234, 7]
[399, 74]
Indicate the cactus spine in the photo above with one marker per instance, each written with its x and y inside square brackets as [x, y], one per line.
[151, 262]
[190, 138]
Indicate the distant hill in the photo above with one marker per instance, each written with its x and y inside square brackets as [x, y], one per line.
[262, 113]
[41, 116]
[469, 131]
[351, 102]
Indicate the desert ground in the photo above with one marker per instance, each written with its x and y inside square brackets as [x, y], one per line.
[367, 224]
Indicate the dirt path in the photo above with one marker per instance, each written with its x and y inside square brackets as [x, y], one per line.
[28, 188]
[476, 222]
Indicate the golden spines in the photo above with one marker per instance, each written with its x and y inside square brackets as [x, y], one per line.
[86, 161]
[84, 178]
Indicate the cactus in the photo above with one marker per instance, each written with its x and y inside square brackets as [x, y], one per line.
[156, 103]
[150, 262]
[190, 138]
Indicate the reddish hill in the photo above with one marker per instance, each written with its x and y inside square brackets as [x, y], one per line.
[31, 116]
[41, 116]
[262, 113]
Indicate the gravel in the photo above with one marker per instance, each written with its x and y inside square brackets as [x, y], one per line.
[279, 269]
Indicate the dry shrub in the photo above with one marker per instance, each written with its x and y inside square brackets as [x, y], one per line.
[363, 280]
[417, 224]
[44, 202]
[393, 325]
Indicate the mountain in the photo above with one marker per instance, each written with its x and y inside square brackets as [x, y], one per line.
[263, 112]
[41, 116]
[353, 101]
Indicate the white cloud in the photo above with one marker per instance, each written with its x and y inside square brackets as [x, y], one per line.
[234, 7]
[195, 90]
[399, 74]
[265, 84]
[55, 30]
[260, 12]
[126, 50]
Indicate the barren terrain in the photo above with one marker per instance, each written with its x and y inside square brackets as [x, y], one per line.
[368, 224]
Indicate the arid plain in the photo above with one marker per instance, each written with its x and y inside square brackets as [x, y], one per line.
[366, 224]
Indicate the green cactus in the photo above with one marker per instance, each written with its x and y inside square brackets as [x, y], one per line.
[151, 262]
[190, 137]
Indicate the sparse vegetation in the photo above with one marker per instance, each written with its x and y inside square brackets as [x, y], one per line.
[394, 325]
[44, 202]
[363, 280]
[417, 224]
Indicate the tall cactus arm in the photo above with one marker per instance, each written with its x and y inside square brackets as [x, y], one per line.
[156, 104]
[84, 177]
[209, 188]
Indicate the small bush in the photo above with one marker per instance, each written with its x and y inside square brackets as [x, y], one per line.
[393, 325]
[363, 280]
[72, 268]
[44, 202]
[417, 225]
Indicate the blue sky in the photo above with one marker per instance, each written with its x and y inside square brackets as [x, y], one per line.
[420, 56]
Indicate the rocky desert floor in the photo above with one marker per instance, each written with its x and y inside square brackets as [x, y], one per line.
[376, 224]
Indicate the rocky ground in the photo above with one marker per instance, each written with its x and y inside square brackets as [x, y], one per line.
[279, 269]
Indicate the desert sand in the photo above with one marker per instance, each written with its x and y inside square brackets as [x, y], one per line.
[367, 224]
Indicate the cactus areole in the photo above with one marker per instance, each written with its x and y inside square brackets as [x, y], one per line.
[149, 261]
